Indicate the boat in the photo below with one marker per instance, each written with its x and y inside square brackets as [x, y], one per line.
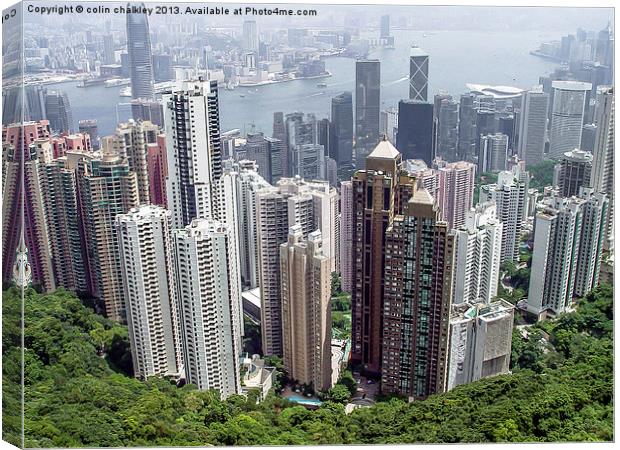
[241, 95]
[117, 82]
[321, 85]
[125, 92]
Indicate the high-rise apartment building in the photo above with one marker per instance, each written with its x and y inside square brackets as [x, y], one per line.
[194, 150]
[342, 129]
[455, 192]
[208, 283]
[249, 182]
[416, 131]
[388, 123]
[65, 230]
[312, 205]
[306, 313]
[107, 188]
[477, 251]
[147, 263]
[510, 196]
[346, 236]
[480, 341]
[568, 237]
[367, 107]
[131, 141]
[22, 204]
[419, 258]
[569, 103]
[157, 167]
[379, 194]
[140, 55]
[493, 154]
[595, 212]
[418, 75]
[532, 126]
[574, 172]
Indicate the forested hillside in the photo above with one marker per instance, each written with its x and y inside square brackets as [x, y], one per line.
[79, 392]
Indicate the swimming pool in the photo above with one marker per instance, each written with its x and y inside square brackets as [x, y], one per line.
[296, 398]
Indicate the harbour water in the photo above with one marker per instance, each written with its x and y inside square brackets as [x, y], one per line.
[456, 58]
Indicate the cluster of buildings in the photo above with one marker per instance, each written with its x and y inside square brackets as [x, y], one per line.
[167, 223]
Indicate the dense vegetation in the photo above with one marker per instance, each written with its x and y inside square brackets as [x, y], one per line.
[78, 392]
[541, 175]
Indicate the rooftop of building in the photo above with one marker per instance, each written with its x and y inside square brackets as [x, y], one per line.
[569, 85]
[417, 52]
[384, 150]
[578, 155]
[495, 91]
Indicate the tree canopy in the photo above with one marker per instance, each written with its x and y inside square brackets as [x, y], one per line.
[79, 391]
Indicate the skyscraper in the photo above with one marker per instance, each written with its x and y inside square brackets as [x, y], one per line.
[140, 56]
[90, 127]
[416, 131]
[250, 36]
[130, 141]
[194, 150]
[477, 248]
[342, 129]
[557, 236]
[569, 102]
[416, 301]
[314, 206]
[418, 74]
[603, 156]
[493, 154]
[467, 128]
[455, 191]
[532, 125]
[60, 192]
[447, 134]
[211, 331]
[575, 172]
[306, 155]
[346, 236]
[367, 106]
[385, 26]
[306, 313]
[480, 341]
[510, 196]
[379, 194]
[147, 262]
[157, 167]
[107, 188]
[249, 183]
[22, 198]
[58, 111]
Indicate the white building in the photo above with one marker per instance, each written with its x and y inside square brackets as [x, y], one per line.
[510, 197]
[147, 260]
[249, 182]
[532, 126]
[569, 102]
[193, 144]
[595, 212]
[455, 193]
[480, 341]
[478, 246]
[210, 298]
